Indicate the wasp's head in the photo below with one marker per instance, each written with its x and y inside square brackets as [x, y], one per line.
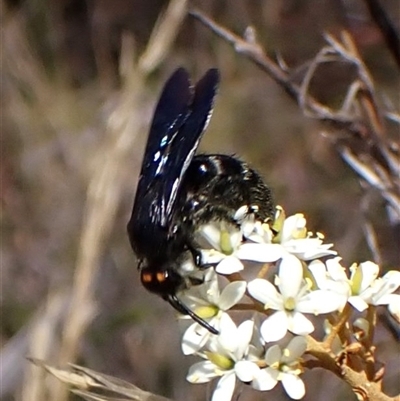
[161, 280]
[166, 282]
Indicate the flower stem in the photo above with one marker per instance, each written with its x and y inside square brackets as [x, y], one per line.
[337, 327]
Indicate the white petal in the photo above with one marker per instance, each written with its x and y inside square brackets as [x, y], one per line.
[293, 386]
[247, 226]
[241, 213]
[388, 299]
[308, 248]
[225, 388]
[273, 355]
[394, 306]
[290, 276]
[265, 292]
[230, 264]
[358, 303]
[210, 288]
[320, 252]
[260, 252]
[265, 380]
[191, 298]
[335, 270]
[370, 272]
[194, 339]
[246, 371]
[228, 339]
[368, 293]
[295, 349]
[392, 277]
[255, 352]
[211, 232]
[293, 225]
[245, 332]
[299, 324]
[388, 284]
[319, 301]
[201, 372]
[211, 256]
[188, 266]
[261, 234]
[210, 275]
[236, 238]
[232, 294]
[274, 327]
[318, 270]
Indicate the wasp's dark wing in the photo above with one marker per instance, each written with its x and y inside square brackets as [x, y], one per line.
[179, 120]
[187, 140]
[170, 114]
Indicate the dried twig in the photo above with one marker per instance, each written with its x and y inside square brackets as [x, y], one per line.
[363, 143]
[92, 385]
[254, 52]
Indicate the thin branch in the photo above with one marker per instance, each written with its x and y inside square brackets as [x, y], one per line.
[255, 53]
[364, 145]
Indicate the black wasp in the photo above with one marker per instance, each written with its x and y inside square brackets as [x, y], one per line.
[178, 191]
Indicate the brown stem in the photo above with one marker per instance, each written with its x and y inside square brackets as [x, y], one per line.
[368, 343]
[361, 386]
[338, 326]
[264, 270]
[255, 307]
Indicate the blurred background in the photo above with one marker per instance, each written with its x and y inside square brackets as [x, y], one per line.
[76, 106]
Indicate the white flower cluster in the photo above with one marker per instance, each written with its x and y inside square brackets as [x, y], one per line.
[292, 275]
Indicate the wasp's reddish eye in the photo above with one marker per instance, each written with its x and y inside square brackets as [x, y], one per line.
[161, 277]
[147, 278]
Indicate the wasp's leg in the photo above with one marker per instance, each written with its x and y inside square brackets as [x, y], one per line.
[196, 254]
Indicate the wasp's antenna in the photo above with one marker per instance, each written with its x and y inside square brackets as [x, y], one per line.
[176, 303]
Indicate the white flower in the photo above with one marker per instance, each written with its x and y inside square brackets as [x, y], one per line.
[209, 304]
[362, 279]
[331, 276]
[294, 299]
[292, 237]
[253, 229]
[363, 288]
[282, 365]
[225, 351]
[367, 289]
[228, 249]
[295, 239]
[383, 289]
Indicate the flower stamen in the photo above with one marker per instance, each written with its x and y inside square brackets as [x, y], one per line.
[290, 304]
